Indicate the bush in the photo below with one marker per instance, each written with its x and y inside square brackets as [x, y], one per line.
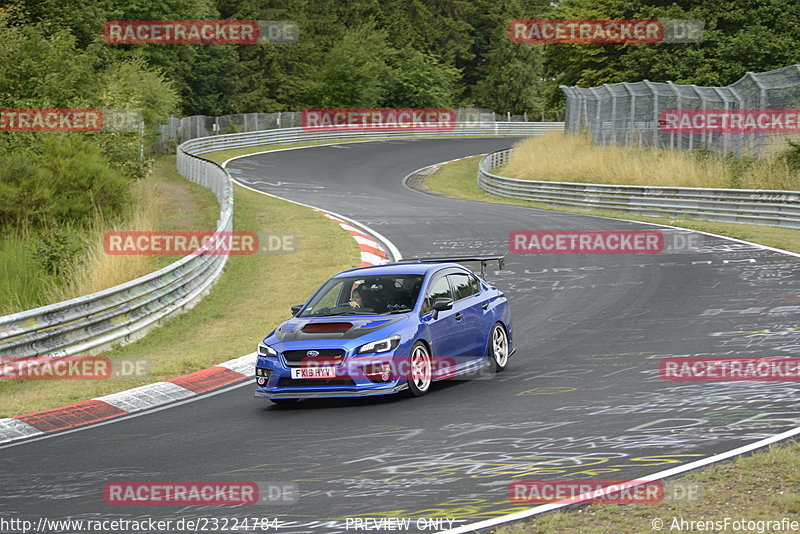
[26, 192]
[58, 249]
[68, 182]
[791, 155]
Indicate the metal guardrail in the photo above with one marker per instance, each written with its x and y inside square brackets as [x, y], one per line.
[755, 206]
[89, 324]
[298, 135]
[93, 323]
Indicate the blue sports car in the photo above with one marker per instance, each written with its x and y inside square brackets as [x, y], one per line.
[384, 329]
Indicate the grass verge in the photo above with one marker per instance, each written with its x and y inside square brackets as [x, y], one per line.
[254, 293]
[164, 201]
[458, 179]
[575, 158]
[758, 487]
[762, 486]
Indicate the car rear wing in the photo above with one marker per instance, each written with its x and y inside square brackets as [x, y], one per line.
[484, 260]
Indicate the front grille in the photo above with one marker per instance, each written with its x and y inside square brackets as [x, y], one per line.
[294, 358]
[307, 382]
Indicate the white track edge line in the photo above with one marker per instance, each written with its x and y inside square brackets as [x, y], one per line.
[487, 523]
[393, 250]
[59, 433]
[737, 240]
[516, 516]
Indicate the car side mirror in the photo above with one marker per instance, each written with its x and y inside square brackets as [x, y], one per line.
[296, 309]
[441, 304]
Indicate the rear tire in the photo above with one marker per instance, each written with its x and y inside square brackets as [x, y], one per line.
[420, 370]
[498, 348]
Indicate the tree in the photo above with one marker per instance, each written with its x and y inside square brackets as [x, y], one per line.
[355, 72]
[418, 80]
[740, 36]
[512, 78]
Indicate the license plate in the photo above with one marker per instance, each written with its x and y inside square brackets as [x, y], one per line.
[314, 372]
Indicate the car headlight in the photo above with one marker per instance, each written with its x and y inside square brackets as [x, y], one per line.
[382, 345]
[266, 350]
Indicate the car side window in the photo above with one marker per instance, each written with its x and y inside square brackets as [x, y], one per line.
[476, 286]
[439, 289]
[464, 285]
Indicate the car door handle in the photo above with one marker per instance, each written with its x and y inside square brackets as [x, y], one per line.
[459, 316]
[485, 305]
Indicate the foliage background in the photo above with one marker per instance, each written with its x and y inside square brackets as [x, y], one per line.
[355, 53]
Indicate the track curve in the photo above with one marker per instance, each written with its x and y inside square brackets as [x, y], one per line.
[580, 399]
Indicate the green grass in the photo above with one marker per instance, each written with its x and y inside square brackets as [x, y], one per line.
[189, 207]
[761, 486]
[23, 281]
[254, 293]
[459, 179]
[165, 201]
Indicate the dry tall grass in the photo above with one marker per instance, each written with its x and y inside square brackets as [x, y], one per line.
[99, 270]
[558, 157]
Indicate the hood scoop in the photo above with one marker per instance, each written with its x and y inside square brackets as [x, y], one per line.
[327, 327]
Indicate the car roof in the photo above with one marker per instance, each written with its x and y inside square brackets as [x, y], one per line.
[398, 269]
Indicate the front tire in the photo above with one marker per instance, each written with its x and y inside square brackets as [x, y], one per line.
[498, 348]
[419, 379]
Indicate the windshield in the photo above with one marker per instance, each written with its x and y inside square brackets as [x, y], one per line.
[365, 295]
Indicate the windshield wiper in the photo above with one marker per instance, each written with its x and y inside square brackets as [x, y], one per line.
[404, 310]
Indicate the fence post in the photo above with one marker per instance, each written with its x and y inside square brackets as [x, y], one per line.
[673, 135]
[631, 116]
[703, 106]
[654, 92]
[585, 107]
[594, 126]
[726, 104]
[741, 102]
[762, 104]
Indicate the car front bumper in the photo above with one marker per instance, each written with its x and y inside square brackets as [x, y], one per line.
[330, 393]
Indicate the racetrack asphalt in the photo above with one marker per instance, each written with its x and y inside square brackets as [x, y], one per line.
[581, 399]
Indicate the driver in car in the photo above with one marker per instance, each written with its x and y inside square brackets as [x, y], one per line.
[357, 299]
